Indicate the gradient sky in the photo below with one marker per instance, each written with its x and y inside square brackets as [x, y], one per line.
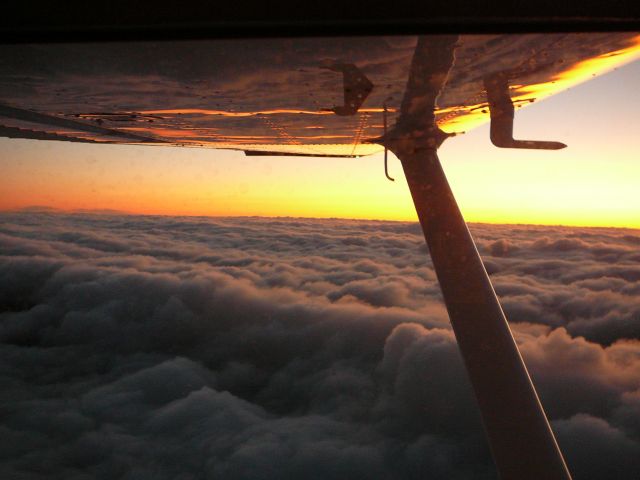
[593, 182]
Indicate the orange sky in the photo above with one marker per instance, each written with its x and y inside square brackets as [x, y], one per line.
[592, 182]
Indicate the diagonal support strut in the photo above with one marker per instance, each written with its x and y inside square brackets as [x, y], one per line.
[521, 440]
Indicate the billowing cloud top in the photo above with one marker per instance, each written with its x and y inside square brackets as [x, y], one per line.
[252, 348]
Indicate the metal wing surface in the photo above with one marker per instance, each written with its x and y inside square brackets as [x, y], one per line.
[294, 96]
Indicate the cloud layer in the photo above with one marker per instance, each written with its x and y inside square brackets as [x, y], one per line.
[167, 347]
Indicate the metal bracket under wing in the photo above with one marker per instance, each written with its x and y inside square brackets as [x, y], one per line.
[357, 88]
[502, 113]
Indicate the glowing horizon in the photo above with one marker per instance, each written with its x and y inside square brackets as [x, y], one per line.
[594, 182]
[45, 209]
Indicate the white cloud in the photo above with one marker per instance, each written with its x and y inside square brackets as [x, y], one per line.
[161, 347]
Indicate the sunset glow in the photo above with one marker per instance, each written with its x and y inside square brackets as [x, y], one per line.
[593, 182]
[256, 257]
[466, 118]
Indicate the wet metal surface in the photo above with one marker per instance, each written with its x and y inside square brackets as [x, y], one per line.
[277, 95]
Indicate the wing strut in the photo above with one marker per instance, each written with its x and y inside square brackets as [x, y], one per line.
[522, 442]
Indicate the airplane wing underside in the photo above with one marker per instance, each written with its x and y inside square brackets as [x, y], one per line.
[338, 97]
[301, 96]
